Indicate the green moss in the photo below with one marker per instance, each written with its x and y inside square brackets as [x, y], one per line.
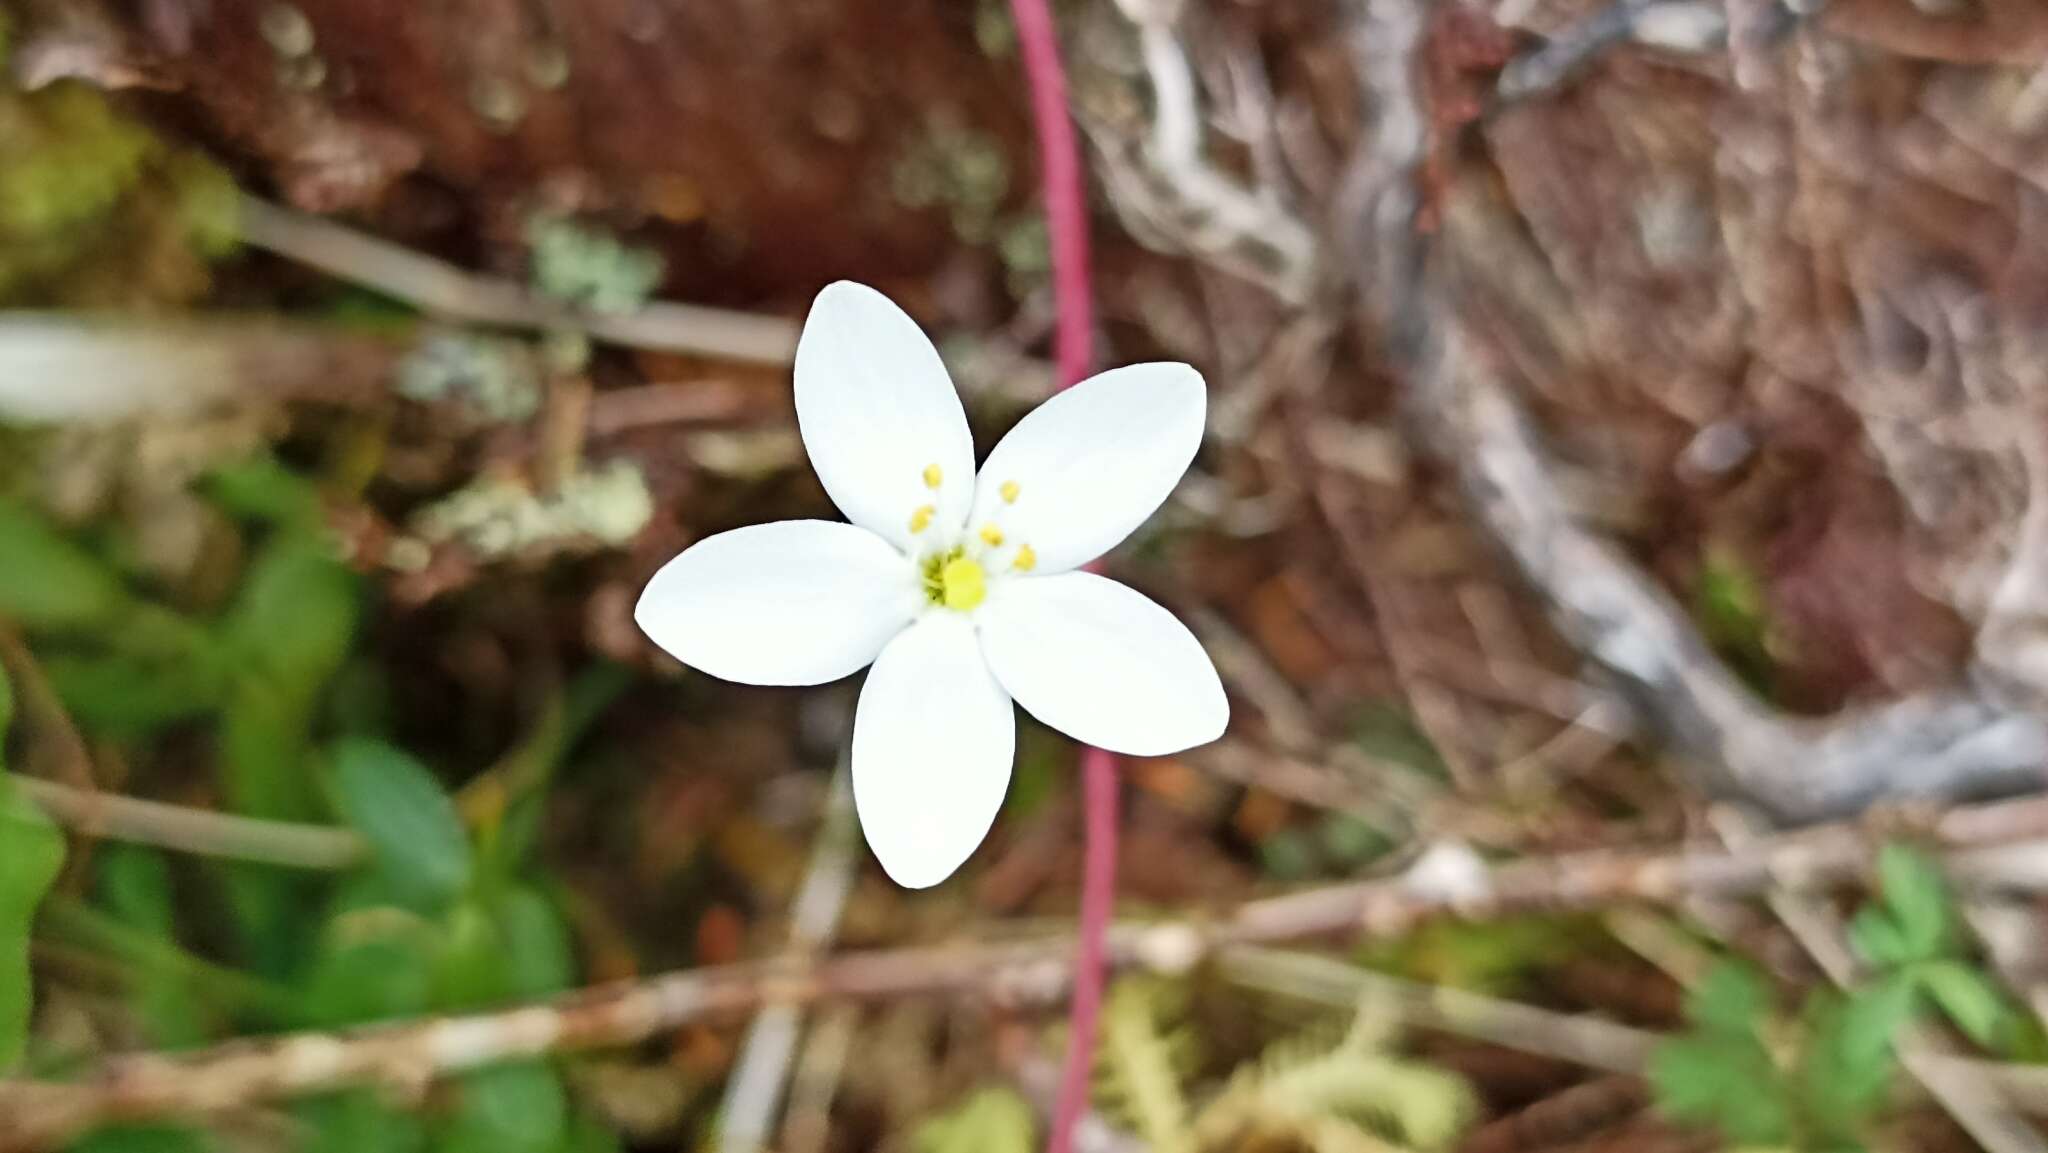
[86, 189]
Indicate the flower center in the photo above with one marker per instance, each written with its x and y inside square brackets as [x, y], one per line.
[955, 580]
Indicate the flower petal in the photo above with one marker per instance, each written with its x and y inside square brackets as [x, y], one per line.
[932, 742]
[1102, 663]
[794, 602]
[1090, 464]
[877, 410]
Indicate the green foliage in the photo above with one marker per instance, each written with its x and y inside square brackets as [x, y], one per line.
[145, 1139]
[538, 959]
[1140, 1063]
[1386, 731]
[1847, 1065]
[31, 853]
[49, 583]
[129, 694]
[1332, 1099]
[77, 158]
[1968, 998]
[400, 808]
[958, 169]
[441, 918]
[519, 1107]
[135, 890]
[1288, 855]
[95, 209]
[1720, 1073]
[1491, 957]
[1910, 934]
[1910, 922]
[994, 1120]
[589, 269]
[358, 1121]
[1819, 1084]
[263, 490]
[1729, 603]
[1304, 1091]
[1337, 844]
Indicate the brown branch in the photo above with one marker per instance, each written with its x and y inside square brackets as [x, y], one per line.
[190, 830]
[445, 290]
[40, 1115]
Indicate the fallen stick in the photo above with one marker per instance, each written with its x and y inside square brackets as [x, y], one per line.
[38, 1115]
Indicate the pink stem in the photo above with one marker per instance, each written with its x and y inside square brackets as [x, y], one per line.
[1066, 213]
[1066, 205]
[1098, 900]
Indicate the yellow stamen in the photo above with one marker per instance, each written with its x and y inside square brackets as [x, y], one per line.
[991, 536]
[963, 584]
[1026, 559]
[1010, 490]
[933, 476]
[922, 518]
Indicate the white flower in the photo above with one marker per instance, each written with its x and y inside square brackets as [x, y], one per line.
[962, 590]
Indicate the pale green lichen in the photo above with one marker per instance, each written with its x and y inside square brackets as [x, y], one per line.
[481, 375]
[958, 169]
[605, 505]
[587, 268]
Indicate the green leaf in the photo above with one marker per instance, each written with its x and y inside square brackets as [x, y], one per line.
[470, 970]
[1288, 855]
[135, 889]
[144, 1139]
[1732, 998]
[266, 745]
[130, 694]
[1877, 940]
[47, 582]
[1726, 1082]
[525, 773]
[356, 1122]
[1917, 898]
[6, 714]
[295, 618]
[991, 1121]
[261, 489]
[1848, 1062]
[513, 1108]
[1352, 841]
[1387, 731]
[539, 957]
[290, 629]
[400, 808]
[586, 1135]
[386, 977]
[31, 853]
[1968, 998]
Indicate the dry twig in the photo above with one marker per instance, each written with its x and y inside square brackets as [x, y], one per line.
[192, 830]
[40, 1115]
[440, 288]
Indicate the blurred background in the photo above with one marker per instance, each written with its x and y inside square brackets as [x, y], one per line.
[1625, 435]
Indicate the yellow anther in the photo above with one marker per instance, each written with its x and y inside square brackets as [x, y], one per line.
[1026, 559]
[922, 518]
[962, 584]
[933, 476]
[1010, 490]
[991, 536]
